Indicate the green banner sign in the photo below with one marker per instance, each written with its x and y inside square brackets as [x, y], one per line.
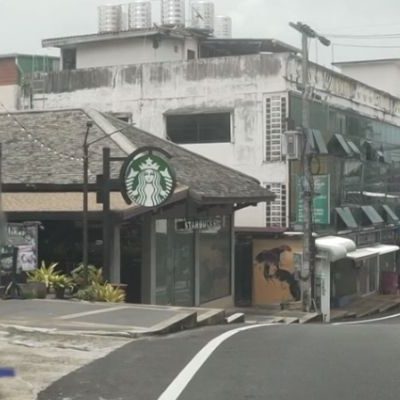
[321, 201]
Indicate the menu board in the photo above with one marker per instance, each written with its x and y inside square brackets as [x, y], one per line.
[24, 236]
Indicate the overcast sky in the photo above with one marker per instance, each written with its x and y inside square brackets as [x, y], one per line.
[24, 23]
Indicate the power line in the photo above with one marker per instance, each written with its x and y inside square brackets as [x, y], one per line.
[365, 46]
[366, 36]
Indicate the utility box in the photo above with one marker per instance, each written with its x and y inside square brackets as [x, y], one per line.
[292, 145]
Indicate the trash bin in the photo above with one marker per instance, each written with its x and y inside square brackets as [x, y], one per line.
[389, 282]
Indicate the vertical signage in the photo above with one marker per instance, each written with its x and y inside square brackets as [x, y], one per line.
[321, 200]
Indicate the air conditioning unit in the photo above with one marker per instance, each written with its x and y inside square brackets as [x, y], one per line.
[293, 145]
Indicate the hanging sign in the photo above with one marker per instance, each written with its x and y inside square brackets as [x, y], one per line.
[147, 178]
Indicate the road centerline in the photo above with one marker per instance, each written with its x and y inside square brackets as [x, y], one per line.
[177, 386]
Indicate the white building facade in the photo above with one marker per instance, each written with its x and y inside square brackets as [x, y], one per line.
[232, 110]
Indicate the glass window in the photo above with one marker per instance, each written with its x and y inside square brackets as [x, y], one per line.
[215, 261]
[174, 264]
[199, 128]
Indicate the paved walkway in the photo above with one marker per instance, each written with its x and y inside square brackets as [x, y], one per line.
[364, 306]
[100, 318]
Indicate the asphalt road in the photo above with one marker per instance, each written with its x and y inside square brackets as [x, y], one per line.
[273, 362]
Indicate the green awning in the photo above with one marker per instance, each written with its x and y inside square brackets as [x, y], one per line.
[372, 215]
[391, 214]
[338, 145]
[347, 217]
[319, 142]
[354, 148]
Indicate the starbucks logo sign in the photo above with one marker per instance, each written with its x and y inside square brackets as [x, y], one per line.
[147, 178]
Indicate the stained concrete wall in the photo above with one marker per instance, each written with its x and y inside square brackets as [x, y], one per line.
[382, 75]
[239, 84]
[148, 91]
[9, 96]
[128, 51]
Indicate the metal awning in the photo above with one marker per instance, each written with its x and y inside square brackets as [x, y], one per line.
[361, 254]
[318, 141]
[372, 215]
[384, 248]
[391, 214]
[347, 217]
[342, 144]
[336, 247]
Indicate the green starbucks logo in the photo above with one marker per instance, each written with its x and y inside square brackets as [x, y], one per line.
[148, 179]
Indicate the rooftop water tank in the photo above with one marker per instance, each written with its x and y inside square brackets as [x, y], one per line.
[140, 15]
[110, 18]
[202, 15]
[173, 12]
[223, 27]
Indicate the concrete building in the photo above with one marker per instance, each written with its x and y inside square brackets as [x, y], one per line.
[16, 71]
[232, 104]
[383, 74]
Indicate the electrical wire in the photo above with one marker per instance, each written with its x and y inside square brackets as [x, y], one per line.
[366, 36]
[365, 46]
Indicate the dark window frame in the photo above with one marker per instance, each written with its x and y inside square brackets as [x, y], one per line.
[198, 128]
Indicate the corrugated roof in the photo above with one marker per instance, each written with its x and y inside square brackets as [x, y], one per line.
[105, 36]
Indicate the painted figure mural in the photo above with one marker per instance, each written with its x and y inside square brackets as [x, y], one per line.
[272, 260]
[274, 275]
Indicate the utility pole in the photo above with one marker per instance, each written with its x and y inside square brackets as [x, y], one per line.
[308, 265]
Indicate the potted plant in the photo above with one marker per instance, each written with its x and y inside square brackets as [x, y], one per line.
[42, 277]
[60, 283]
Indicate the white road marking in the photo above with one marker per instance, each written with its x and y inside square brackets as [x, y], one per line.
[93, 312]
[366, 321]
[177, 386]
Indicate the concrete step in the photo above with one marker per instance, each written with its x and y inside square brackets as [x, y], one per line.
[235, 318]
[210, 316]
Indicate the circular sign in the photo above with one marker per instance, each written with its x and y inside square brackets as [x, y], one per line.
[148, 180]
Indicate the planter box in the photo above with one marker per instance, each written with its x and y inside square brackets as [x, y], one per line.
[35, 290]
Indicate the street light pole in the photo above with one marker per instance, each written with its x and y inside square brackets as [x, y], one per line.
[85, 224]
[308, 265]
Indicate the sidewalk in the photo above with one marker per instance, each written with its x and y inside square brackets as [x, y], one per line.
[275, 314]
[119, 319]
[364, 306]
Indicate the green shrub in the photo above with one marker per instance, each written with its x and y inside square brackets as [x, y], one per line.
[94, 275]
[43, 274]
[101, 292]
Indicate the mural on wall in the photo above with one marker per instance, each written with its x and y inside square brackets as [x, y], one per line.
[274, 275]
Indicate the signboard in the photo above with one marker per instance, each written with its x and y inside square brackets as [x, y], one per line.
[147, 179]
[321, 200]
[200, 224]
[25, 237]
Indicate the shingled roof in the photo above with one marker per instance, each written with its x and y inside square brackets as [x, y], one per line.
[45, 147]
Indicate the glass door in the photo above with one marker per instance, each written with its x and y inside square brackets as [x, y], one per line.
[174, 265]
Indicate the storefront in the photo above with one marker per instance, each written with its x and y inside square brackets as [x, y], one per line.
[167, 230]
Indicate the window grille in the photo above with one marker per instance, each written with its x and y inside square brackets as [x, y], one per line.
[276, 210]
[275, 125]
